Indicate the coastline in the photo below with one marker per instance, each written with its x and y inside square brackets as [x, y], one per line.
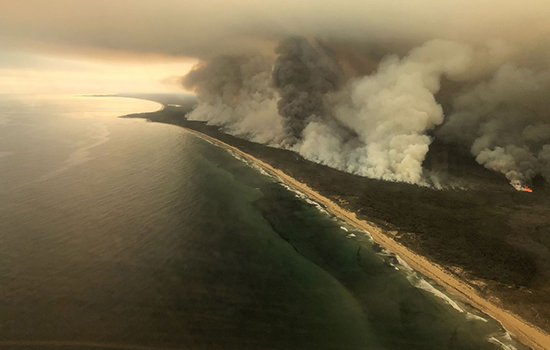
[524, 331]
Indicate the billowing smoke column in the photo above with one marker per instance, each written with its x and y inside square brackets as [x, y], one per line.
[506, 122]
[387, 115]
[303, 74]
[379, 125]
[391, 111]
[235, 93]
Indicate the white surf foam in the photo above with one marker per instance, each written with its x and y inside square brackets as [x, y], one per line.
[424, 285]
[500, 343]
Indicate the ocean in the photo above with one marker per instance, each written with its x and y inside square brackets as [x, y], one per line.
[123, 234]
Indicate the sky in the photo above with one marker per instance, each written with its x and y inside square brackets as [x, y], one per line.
[103, 46]
[39, 73]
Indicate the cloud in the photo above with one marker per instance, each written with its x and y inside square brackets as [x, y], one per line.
[208, 28]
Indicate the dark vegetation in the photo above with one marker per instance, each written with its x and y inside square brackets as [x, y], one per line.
[488, 232]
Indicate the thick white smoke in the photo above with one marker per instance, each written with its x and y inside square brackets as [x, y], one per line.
[390, 113]
[506, 122]
[235, 93]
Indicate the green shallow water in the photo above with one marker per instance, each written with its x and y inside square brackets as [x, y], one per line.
[126, 233]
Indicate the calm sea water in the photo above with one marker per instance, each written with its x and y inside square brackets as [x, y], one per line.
[123, 234]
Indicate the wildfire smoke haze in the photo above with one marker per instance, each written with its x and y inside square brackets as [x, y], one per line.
[361, 86]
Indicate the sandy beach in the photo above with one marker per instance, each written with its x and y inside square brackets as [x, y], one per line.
[521, 329]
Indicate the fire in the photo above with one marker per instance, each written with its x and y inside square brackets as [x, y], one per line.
[520, 187]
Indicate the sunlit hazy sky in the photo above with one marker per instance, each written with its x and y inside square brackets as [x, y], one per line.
[102, 46]
[29, 72]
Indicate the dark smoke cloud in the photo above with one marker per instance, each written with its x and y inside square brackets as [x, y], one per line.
[303, 74]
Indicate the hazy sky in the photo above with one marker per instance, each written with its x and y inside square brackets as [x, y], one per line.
[138, 45]
[31, 72]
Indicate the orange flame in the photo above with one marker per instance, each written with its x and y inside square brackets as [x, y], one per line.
[526, 189]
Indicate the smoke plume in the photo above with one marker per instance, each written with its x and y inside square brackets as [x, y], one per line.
[380, 125]
[303, 75]
[374, 126]
[235, 93]
[506, 122]
[392, 110]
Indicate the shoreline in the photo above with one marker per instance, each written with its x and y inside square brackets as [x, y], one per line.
[524, 331]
